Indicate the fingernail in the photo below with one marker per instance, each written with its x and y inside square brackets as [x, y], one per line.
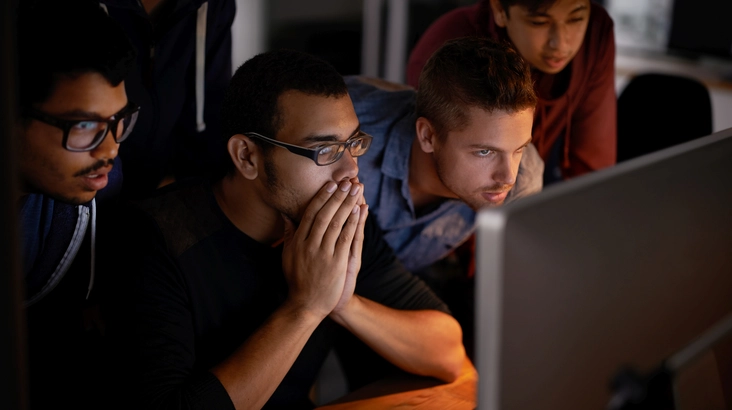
[330, 187]
[345, 186]
[355, 189]
[356, 209]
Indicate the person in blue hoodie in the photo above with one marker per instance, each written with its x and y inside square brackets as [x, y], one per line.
[73, 115]
[182, 69]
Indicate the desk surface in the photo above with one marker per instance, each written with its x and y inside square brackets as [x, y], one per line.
[413, 392]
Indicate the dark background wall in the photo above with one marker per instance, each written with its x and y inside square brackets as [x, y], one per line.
[13, 394]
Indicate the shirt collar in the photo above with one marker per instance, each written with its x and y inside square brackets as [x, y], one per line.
[398, 149]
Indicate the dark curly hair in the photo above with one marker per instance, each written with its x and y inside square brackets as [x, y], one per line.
[63, 38]
[251, 100]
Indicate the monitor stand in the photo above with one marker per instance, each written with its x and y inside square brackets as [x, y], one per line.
[634, 391]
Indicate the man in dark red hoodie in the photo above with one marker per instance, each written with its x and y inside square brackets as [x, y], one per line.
[571, 48]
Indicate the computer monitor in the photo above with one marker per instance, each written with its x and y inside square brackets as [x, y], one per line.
[621, 267]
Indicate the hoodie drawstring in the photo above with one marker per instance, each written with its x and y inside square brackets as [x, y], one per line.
[93, 207]
[200, 64]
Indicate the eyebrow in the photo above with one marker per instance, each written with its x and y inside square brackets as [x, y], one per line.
[479, 146]
[85, 115]
[329, 138]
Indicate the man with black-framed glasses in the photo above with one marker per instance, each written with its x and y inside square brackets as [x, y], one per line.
[73, 114]
[324, 154]
[236, 289]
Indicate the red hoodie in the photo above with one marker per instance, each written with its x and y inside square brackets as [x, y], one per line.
[584, 113]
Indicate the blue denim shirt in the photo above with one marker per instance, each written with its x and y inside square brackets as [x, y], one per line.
[418, 240]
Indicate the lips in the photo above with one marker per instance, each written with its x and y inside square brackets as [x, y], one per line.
[495, 197]
[96, 179]
[555, 61]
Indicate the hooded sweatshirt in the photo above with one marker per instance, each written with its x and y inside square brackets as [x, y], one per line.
[183, 67]
[579, 118]
[63, 330]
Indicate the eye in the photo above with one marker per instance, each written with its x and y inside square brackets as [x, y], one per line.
[328, 149]
[86, 125]
[576, 20]
[483, 153]
[538, 23]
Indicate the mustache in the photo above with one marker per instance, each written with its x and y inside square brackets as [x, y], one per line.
[97, 165]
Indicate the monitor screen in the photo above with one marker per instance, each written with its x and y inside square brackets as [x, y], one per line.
[622, 267]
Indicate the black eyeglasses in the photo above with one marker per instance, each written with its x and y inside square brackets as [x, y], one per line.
[327, 153]
[85, 135]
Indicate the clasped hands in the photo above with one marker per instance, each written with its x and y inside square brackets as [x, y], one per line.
[322, 256]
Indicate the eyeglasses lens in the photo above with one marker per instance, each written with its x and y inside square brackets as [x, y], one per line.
[127, 124]
[330, 154]
[86, 134]
[359, 146]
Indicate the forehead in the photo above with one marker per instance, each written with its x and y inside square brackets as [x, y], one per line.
[88, 93]
[497, 129]
[304, 115]
[558, 7]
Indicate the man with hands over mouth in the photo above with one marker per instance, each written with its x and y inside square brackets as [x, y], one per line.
[238, 288]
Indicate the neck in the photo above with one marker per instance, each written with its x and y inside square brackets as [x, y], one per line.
[425, 186]
[243, 206]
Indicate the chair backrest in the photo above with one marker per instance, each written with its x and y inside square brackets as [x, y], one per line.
[656, 111]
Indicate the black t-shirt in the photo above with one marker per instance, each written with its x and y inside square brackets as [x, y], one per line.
[192, 288]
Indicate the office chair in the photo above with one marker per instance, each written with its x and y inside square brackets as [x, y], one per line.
[656, 111]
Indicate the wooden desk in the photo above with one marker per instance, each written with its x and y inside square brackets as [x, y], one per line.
[413, 392]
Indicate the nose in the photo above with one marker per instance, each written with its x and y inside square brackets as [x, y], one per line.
[557, 37]
[505, 173]
[346, 167]
[107, 149]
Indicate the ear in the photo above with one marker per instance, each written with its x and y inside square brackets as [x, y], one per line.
[426, 134]
[246, 155]
[499, 14]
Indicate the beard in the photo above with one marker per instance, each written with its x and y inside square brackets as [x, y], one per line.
[281, 197]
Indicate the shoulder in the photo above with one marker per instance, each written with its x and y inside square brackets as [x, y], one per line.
[459, 21]
[366, 91]
[379, 103]
[182, 213]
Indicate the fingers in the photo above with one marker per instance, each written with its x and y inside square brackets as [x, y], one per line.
[341, 214]
[345, 237]
[315, 205]
[357, 243]
[326, 214]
